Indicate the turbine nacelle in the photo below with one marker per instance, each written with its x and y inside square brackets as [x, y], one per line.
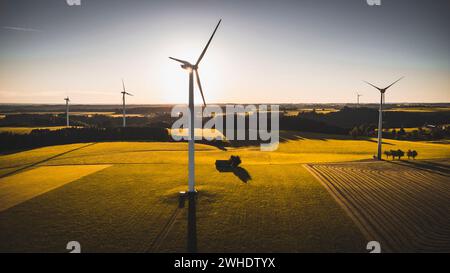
[383, 90]
[185, 64]
[188, 67]
[126, 93]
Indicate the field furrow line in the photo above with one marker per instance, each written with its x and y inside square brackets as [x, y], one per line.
[404, 206]
[376, 204]
[376, 230]
[164, 232]
[414, 206]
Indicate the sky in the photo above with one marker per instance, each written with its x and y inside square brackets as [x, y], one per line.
[281, 51]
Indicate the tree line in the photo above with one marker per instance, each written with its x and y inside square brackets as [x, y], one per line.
[431, 133]
[46, 137]
[349, 117]
[399, 154]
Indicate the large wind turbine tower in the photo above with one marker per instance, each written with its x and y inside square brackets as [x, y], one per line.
[191, 68]
[380, 115]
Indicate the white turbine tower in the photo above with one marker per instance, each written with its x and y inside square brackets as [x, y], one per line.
[191, 68]
[380, 115]
[124, 93]
[67, 111]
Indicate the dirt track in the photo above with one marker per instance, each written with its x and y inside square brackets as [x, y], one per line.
[403, 205]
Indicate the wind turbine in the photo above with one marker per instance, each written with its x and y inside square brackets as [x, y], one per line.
[380, 115]
[124, 93]
[191, 68]
[358, 95]
[67, 111]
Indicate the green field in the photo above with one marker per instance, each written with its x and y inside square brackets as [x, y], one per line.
[271, 204]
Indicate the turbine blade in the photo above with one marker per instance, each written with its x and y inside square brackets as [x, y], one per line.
[178, 60]
[374, 86]
[123, 85]
[129, 94]
[207, 45]
[200, 86]
[394, 83]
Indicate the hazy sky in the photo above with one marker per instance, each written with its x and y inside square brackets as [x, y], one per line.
[264, 51]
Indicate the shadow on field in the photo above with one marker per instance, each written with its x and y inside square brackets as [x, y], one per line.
[374, 141]
[240, 172]
[429, 166]
[286, 136]
[44, 160]
[192, 224]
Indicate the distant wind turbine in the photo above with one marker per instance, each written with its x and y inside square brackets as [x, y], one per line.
[193, 68]
[358, 95]
[124, 93]
[67, 111]
[380, 115]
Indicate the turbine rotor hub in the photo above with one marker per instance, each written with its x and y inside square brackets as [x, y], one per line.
[189, 66]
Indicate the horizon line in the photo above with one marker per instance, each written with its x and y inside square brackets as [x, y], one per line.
[222, 103]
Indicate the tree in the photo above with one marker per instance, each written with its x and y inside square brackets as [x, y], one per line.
[436, 133]
[400, 154]
[388, 154]
[394, 133]
[354, 132]
[414, 154]
[409, 154]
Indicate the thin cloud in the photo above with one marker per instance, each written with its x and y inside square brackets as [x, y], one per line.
[21, 29]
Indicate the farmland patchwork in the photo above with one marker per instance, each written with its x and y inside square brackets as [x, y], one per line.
[23, 186]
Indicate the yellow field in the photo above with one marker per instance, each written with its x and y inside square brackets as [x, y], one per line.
[272, 203]
[27, 130]
[198, 132]
[17, 161]
[318, 111]
[419, 109]
[295, 148]
[127, 206]
[18, 188]
[407, 129]
[127, 115]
